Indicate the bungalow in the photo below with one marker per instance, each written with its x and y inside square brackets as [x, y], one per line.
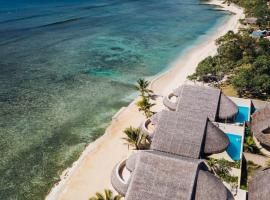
[157, 175]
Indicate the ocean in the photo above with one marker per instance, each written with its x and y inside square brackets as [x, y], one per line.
[67, 66]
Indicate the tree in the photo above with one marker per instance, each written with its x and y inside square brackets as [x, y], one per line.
[142, 87]
[254, 80]
[145, 106]
[134, 137]
[222, 168]
[108, 196]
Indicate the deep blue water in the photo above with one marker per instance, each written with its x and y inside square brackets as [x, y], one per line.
[234, 149]
[66, 66]
[243, 114]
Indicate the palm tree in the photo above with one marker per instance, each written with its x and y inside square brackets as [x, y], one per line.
[134, 137]
[108, 196]
[145, 106]
[142, 87]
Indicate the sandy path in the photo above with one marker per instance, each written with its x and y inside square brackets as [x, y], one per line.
[91, 173]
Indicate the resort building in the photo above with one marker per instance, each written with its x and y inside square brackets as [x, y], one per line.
[250, 21]
[156, 175]
[261, 127]
[201, 101]
[199, 123]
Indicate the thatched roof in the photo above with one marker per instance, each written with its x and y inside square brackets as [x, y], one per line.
[186, 134]
[250, 20]
[200, 100]
[227, 108]
[210, 188]
[260, 123]
[259, 187]
[216, 140]
[159, 175]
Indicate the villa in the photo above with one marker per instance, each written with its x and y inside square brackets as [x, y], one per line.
[181, 178]
[199, 122]
[261, 126]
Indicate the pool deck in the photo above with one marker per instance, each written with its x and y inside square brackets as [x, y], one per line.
[235, 129]
[241, 102]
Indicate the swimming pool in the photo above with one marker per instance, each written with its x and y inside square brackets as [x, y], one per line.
[234, 149]
[243, 114]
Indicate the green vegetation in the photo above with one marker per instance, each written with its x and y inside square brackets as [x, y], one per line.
[248, 170]
[107, 196]
[143, 87]
[136, 138]
[144, 103]
[242, 62]
[255, 8]
[249, 143]
[222, 168]
[145, 106]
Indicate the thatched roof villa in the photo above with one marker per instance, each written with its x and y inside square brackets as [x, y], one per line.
[187, 134]
[156, 175]
[203, 101]
[189, 130]
[260, 126]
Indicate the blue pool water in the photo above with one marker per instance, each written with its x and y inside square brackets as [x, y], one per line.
[243, 114]
[234, 149]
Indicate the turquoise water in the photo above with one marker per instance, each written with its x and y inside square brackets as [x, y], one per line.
[234, 149]
[243, 114]
[66, 66]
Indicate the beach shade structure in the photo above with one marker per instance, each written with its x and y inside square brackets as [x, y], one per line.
[201, 100]
[260, 126]
[186, 134]
[259, 187]
[159, 176]
[250, 20]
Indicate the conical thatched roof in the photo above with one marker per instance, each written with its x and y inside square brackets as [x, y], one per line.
[227, 108]
[216, 140]
[158, 175]
[210, 188]
[259, 187]
[260, 123]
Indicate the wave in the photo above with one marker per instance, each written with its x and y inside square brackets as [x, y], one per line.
[61, 22]
[22, 18]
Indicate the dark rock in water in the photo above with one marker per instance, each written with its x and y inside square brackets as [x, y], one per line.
[117, 49]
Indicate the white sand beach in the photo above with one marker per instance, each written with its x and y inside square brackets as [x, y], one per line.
[92, 172]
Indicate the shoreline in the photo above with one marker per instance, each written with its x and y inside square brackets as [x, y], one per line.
[91, 172]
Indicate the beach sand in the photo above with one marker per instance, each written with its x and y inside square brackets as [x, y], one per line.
[92, 171]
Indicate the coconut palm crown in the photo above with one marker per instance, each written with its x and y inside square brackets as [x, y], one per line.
[142, 87]
[107, 196]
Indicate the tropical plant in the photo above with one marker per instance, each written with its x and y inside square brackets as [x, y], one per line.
[108, 195]
[222, 168]
[244, 60]
[134, 137]
[145, 106]
[249, 143]
[142, 87]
